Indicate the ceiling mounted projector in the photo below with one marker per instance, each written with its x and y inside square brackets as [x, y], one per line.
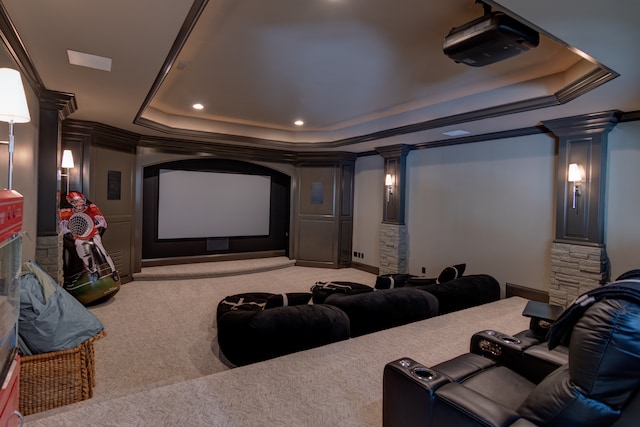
[491, 38]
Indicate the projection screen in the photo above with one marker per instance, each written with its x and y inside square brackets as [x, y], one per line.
[212, 204]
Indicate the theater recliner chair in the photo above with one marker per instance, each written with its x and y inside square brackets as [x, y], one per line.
[598, 386]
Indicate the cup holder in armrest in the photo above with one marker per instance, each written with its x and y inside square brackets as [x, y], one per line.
[424, 374]
[509, 340]
[419, 371]
[502, 337]
[494, 343]
[408, 392]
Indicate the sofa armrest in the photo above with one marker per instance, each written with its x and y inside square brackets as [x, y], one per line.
[542, 316]
[522, 353]
[457, 405]
[505, 349]
[407, 393]
[500, 346]
[463, 366]
[540, 361]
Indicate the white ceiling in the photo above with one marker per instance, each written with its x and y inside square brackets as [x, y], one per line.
[348, 68]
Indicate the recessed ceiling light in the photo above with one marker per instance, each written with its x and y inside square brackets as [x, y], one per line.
[88, 60]
[198, 106]
[298, 123]
[456, 132]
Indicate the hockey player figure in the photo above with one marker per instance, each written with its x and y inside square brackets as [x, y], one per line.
[84, 224]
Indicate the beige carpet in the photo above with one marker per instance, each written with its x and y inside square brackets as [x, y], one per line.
[157, 365]
[336, 385]
[161, 332]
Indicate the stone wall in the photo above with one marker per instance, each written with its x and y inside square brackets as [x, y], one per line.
[393, 248]
[576, 269]
[49, 256]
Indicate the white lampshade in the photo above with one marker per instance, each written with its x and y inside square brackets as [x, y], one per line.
[67, 159]
[574, 173]
[388, 181]
[13, 101]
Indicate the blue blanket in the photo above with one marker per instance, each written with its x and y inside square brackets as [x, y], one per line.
[51, 319]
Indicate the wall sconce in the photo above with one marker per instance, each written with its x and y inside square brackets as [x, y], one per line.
[575, 176]
[67, 163]
[388, 182]
[13, 108]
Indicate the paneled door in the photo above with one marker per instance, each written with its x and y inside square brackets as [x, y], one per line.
[112, 189]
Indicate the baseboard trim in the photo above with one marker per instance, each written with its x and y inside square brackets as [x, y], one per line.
[364, 267]
[512, 290]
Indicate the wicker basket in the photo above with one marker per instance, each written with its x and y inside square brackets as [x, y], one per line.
[58, 378]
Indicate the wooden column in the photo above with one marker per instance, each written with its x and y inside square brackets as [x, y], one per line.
[395, 165]
[582, 140]
[579, 259]
[393, 231]
[54, 107]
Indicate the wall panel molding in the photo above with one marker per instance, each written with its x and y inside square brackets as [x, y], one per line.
[582, 140]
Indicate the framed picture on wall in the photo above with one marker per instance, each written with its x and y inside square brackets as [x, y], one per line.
[114, 185]
[317, 193]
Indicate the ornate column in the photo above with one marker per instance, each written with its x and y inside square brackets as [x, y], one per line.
[393, 231]
[54, 107]
[579, 259]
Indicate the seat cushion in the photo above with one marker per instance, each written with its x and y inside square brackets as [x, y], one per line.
[502, 385]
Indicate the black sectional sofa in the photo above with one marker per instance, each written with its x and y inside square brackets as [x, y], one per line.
[463, 292]
[258, 326]
[253, 331]
[374, 311]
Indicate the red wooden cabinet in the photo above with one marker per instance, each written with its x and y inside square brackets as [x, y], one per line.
[9, 395]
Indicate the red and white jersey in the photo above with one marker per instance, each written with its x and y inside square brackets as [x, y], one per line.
[83, 225]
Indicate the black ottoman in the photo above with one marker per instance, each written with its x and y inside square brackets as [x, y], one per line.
[383, 309]
[247, 336]
[321, 290]
[252, 301]
[258, 301]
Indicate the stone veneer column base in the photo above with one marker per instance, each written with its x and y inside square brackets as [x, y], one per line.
[49, 256]
[393, 248]
[576, 269]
